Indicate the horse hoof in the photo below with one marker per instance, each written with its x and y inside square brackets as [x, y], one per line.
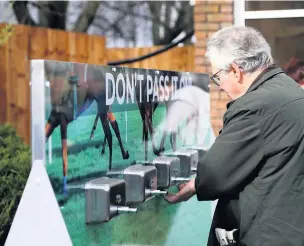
[159, 152]
[126, 155]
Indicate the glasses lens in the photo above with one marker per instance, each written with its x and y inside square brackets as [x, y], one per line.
[215, 80]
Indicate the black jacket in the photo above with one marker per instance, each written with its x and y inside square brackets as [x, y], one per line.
[256, 165]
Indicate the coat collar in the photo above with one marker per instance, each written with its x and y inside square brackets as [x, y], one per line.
[265, 75]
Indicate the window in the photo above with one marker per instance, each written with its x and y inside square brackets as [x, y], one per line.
[285, 36]
[273, 5]
[281, 22]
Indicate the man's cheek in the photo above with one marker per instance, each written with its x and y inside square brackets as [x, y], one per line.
[226, 86]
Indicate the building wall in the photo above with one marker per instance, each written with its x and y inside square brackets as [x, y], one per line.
[210, 16]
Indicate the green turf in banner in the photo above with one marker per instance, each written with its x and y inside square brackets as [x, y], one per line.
[155, 223]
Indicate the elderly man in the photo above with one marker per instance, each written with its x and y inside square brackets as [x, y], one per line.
[255, 168]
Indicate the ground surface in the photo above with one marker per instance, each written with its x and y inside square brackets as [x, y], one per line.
[156, 222]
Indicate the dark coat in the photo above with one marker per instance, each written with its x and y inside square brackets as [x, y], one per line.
[256, 165]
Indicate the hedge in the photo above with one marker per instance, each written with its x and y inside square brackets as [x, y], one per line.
[15, 164]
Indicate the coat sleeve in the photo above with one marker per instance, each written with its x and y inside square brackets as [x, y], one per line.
[232, 159]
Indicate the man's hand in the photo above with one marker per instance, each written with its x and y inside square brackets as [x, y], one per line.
[186, 191]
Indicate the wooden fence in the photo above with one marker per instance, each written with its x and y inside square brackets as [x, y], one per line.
[177, 59]
[28, 43]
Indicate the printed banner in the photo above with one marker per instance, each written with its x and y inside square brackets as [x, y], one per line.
[117, 139]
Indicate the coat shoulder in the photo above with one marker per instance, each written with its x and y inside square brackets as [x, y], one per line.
[272, 96]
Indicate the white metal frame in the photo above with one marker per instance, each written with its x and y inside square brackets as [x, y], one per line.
[38, 219]
[38, 110]
[241, 15]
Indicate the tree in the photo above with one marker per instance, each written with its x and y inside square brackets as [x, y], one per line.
[53, 14]
[176, 17]
[6, 31]
[127, 22]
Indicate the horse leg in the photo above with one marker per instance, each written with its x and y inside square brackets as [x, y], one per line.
[145, 127]
[173, 140]
[169, 128]
[108, 135]
[162, 141]
[149, 117]
[142, 115]
[188, 120]
[114, 124]
[179, 135]
[196, 129]
[104, 145]
[64, 149]
[92, 134]
[143, 134]
[94, 126]
[48, 129]
[165, 133]
[52, 123]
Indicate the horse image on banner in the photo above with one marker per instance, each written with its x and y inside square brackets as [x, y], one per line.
[110, 190]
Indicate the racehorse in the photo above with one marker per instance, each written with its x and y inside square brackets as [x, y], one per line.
[187, 102]
[146, 110]
[89, 83]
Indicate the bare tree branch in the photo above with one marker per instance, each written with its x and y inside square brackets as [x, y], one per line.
[22, 14]
[183, 22]
[114, 26]
[125, 24]
[116, 29]
[155, 11]
[137, 15]
[52, 13]
[87, 16]
[118, 19]
[45, 7]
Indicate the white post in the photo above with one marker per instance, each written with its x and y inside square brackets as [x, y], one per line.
[37, 106]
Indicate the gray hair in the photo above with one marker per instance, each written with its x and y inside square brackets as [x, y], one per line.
[245, 46]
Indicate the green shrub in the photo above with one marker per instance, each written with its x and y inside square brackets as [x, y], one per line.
[15, 164]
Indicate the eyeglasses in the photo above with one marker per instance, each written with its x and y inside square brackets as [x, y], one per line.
[215, 78]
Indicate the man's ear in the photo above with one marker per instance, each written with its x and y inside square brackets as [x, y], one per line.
[237, 73]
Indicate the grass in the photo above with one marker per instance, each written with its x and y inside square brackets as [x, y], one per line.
[155, 223]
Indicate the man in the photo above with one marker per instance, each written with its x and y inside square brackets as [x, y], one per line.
[255, 168]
